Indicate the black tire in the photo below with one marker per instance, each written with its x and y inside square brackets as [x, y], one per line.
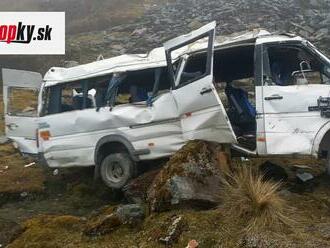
[117, 169]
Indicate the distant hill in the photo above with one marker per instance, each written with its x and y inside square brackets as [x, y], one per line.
[83, 15]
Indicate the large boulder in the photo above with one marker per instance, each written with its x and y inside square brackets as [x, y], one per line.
[136, 190]
[191, 178]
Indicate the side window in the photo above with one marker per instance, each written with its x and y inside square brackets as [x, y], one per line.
[137, 87]
[22, 102]
[97, 91]
[192, 66]
[294, 65]
[134, 87]
[195, 68]
[66, 97]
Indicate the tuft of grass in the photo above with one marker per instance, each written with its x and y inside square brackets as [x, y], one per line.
[254, 202]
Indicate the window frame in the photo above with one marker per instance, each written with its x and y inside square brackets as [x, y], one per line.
[293, 44]
[208, 70]
[58, 95]
[21, 114]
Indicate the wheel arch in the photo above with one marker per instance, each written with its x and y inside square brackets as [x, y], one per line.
[321, 140]
[105, 145]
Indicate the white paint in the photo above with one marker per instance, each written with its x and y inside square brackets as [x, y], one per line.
[290, 128]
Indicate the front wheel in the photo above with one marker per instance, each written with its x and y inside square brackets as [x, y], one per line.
[116, 170]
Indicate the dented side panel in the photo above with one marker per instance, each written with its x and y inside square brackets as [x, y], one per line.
[75, 134]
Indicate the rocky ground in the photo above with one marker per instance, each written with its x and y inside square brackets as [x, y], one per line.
[182, 201]
[161, 22]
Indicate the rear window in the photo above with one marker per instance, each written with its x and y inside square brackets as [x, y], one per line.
[22, 102]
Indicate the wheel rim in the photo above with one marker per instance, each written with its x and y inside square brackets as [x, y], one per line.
[115, 172]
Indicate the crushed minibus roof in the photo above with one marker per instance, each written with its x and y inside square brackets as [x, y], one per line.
[155, 58]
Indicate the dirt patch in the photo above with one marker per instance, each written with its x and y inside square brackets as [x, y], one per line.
[15, 178]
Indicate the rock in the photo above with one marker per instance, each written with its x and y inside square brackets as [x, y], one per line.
[192, 244]
[320, 34]
[265, 240]
[191, 178]
[323, 229]
[55, 172]
[136, 190]
[304, 177]
[70, 63]
[174, 231]
[304, 182]
[117, 47]
[102, 225]
[139, 31]
[131, 213]
[306, 28]
[273, 172]
[9, 231]
[112, 218]
[185, 189]
[3, 140]
[315, 3]
[195, 24]
[24, 194]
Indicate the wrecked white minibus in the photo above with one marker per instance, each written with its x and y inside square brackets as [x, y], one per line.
[266, 94]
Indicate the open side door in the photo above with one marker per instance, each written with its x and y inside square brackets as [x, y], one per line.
[200, 109]
[20, 97]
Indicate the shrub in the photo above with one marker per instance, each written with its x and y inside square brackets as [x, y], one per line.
[253, 201]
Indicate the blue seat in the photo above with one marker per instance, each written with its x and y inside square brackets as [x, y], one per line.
[241, 113]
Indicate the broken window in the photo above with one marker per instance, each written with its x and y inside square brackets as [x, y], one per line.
[97, 90]
[195, 67]
[136, 87]
[295, 65]
[22, 101]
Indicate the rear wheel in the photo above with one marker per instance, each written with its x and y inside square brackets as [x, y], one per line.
[116, 170]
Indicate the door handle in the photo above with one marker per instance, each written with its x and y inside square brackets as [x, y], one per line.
[273, 97]
[12, 126]
[206, 90]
